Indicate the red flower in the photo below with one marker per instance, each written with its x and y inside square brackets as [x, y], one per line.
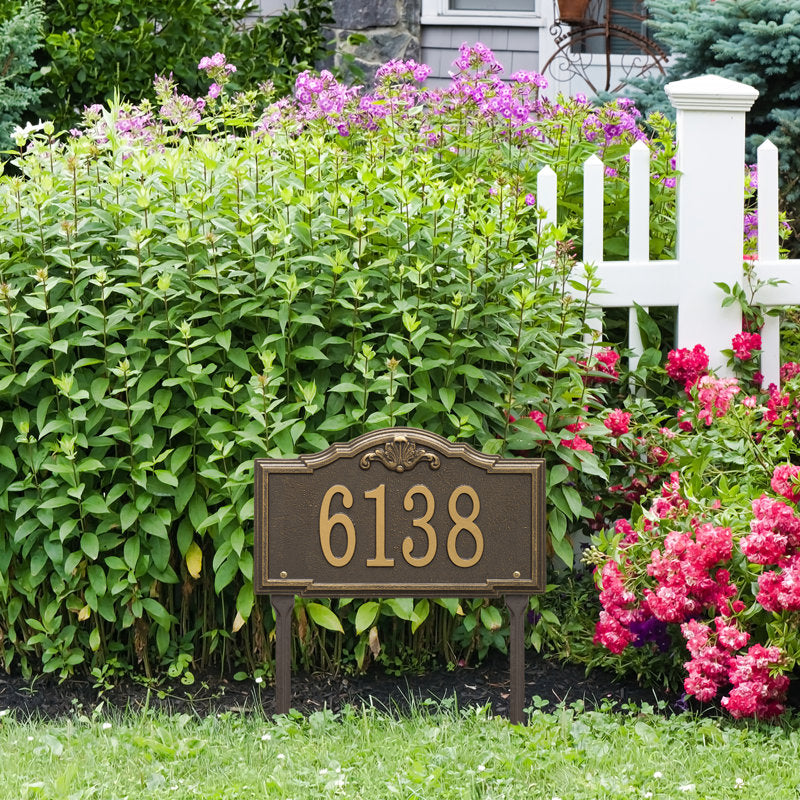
[687, 365]
[617, 422]
[785, 482]
[744, 344]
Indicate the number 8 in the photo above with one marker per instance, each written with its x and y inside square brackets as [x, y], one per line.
[464, 524]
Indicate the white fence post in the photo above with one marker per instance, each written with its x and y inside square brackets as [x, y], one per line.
[710, 131]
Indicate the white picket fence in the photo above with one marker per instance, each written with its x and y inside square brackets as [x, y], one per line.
[710, 133]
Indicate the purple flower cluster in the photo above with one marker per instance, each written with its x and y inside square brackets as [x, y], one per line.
[651, 630]
[398, 70]
[181, 110]
[478, 59]
[613, 122]
[477, 102]
[216, 63]
[323, 97]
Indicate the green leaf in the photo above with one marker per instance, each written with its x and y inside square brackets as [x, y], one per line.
[309, 353]
[7, 458]
[324, 617]
[226, 573]
[152, 524]
[90, 544]
[128, 516]
[245, 600]
[94, 504]
[563, 549]
[403, 607]
[491, 619]
[447, 396]
[651, 335]
[557, 474]
[131, 551]
[165, 476]
[184, 492]
[421, 611]
[366, 614]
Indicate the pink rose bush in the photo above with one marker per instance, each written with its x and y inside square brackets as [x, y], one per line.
[712, 560]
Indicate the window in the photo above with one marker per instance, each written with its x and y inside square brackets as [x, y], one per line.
[488, 5]
[624, 14]
[504, 13]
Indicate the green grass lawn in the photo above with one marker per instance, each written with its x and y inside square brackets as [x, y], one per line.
[432, 753]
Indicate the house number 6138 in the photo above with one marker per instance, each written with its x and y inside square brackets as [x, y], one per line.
[461, 523]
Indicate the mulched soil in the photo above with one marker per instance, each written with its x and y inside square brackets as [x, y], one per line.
[487, 683]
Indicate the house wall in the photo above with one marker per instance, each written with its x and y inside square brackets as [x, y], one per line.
[392, 28]
[268, 8]
[515, 48]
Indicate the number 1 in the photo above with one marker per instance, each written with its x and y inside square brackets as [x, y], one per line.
[378, 494]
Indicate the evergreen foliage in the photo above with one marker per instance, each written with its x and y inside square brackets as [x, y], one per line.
[756, 42]
[20, 37]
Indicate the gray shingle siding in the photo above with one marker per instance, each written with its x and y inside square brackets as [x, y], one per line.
[515, 48]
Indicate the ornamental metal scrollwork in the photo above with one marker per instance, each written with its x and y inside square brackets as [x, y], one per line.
[605, 49]
[400, 455]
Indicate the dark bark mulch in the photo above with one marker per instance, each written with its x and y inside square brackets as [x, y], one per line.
[487, 683]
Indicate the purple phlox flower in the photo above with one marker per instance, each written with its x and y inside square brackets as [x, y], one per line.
[750, 225]
[580, 98]
[670, 183]
[610, 172]
[651, 630]
[533, 78]
[530, 199]
[214, 91]
[400, 70]
[478, 59]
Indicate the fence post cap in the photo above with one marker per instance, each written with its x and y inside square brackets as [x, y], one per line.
[711, 93]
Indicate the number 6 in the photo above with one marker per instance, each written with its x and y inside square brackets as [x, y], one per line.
[327, 523]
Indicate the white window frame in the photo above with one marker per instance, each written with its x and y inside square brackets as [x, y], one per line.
[438, 12]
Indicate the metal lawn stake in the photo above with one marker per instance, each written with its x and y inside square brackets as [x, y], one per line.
[399, 512]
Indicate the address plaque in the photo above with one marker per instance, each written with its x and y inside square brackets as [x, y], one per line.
[399, 512]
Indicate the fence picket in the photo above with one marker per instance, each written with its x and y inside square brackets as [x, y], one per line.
[768, 201]
[639, 245]
[547, 196]
[593, 210]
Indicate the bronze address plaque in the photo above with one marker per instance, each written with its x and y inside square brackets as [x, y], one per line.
[399, 512]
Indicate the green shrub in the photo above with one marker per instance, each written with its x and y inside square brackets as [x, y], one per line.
[20, 38]
[183, 290]
[97, 50]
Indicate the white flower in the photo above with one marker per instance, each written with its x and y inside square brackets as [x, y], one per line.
[323, 771]
[259, 679]
[266, 737]
[106, 726]
[5, 711]
[658, 774]
[481, 767]
[739, 783]
[687, 787]
[281, 755]
[647, 794]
